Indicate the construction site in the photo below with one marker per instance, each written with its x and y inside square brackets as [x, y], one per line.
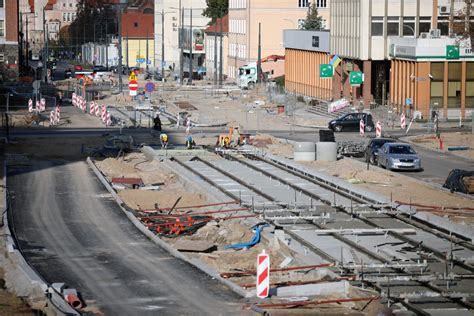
[341, 238]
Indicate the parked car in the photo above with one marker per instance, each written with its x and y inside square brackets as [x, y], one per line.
[372, 149]
[78, 68]
[351, 121]
[97, 68]
[398, 156]
[17, 95]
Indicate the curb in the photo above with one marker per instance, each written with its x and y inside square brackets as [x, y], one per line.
[175, 253]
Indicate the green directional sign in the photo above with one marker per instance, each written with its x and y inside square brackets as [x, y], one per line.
[452, 52]
[326, 71]
[356, 78]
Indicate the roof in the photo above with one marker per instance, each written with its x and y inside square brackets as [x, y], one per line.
[216, 27]
[49, 5]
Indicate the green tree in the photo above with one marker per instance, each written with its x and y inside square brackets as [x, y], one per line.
[313, 20]
[215, 8]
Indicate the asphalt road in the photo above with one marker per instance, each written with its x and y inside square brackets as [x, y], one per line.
[72, 231]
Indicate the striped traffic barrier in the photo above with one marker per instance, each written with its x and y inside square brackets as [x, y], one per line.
[378, 130]
[43, 104]
[91, 108]
[263, 275]
[108, 122]
[57, 116]
[361, 127]
[97, 109]
[30, 105]
[38, 106]
[402, 121]
[104, 114]
[52, 119]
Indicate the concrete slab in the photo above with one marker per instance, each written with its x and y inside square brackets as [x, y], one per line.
[321, 289]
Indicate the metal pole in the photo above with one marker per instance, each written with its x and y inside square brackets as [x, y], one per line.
[191, 46]
[220, 52]
[106, 46]
[162, 45]
[259, 60]
[27, 45]
[120, 51]
[215, 54]
[126, 51]
[181, 61]
[146, 61]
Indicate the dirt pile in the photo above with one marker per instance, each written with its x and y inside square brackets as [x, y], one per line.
[450, 140]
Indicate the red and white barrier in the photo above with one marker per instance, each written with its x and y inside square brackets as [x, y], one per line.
[402, 121]
[30, 105]
[84, 105]
[103, 116]
[38, 106]
[57, 116]
[109, 119]
[263, 275]
[97, 110]
[378, 129]
[52, 118]
[91, 108]
[361, 127]
[43, 104]
[74, 99]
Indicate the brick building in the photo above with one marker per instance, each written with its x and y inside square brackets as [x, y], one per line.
[9, 39]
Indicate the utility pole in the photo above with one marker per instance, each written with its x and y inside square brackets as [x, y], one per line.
[93, 47]
[259, 58]
[191, 46]
[215, 54]
[45, 56]
[146, 61]
[27, 45]
[181, 40]
[163, 44]
[128, 67]
[106, 46]
[220, 52]
[120, 50]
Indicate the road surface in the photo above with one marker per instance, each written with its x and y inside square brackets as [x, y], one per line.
[72, 231]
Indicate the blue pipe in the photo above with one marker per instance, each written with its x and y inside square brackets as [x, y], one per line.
[255, 240]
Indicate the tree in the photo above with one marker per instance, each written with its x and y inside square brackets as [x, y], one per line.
[463, 28]
[215, 8]
[313, 20]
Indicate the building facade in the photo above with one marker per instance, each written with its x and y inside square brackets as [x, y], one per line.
[138, 47]
[362, 32]
[304, 52]
[9, 39]
[212, 38]
[172, 17]
[273, 16]
[58, 14]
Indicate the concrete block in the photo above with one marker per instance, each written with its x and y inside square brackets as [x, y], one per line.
[322, 289]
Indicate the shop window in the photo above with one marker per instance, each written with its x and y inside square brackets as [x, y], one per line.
[377, 26]
[454, 85]
[425, 24]
[436, 86]
[2, 28]
[470, 85]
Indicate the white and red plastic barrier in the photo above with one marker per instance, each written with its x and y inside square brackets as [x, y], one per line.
[55, 116]
[30, 105]
[108, 121]
[402, 121]
[361, 127]
[91, 108]
[378, 129]
[263, 275]
[103, 114]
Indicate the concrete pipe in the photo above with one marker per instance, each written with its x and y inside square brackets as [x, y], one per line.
[70, 295]
[304, 151]
[326, 151]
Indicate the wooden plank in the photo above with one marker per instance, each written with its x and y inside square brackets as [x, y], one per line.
[194, 245]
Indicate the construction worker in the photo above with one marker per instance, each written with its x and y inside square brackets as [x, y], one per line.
[226, 142]
[164, 140]
[157, 123]
[190, 142]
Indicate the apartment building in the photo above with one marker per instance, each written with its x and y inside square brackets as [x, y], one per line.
[8, 39]
[384, 39]
[58, 14]
[173, 17]
[273, 16]
[212, 39]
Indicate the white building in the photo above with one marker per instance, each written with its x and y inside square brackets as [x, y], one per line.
[174, 11]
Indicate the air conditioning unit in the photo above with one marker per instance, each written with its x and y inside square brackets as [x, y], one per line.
[424, 35]
[435, 33]
[444, 10]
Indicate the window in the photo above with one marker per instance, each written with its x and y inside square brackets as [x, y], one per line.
[425, 24]
[321, 3]
[69, 17]
[2, 28]
[393, 24]
[303, 3]
[408, 26]
[135, 24]
[1, 4]
[64, 17]
[377, 26]
[70, 4]
[64, 4]
[437, 75]
[443, 25]
[237, 4]
[301, 24]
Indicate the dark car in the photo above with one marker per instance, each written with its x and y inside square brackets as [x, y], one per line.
[371, 151]
[351, 122]
[18, 95]
[97, 68]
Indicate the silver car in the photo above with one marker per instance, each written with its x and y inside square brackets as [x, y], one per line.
[397, 156]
